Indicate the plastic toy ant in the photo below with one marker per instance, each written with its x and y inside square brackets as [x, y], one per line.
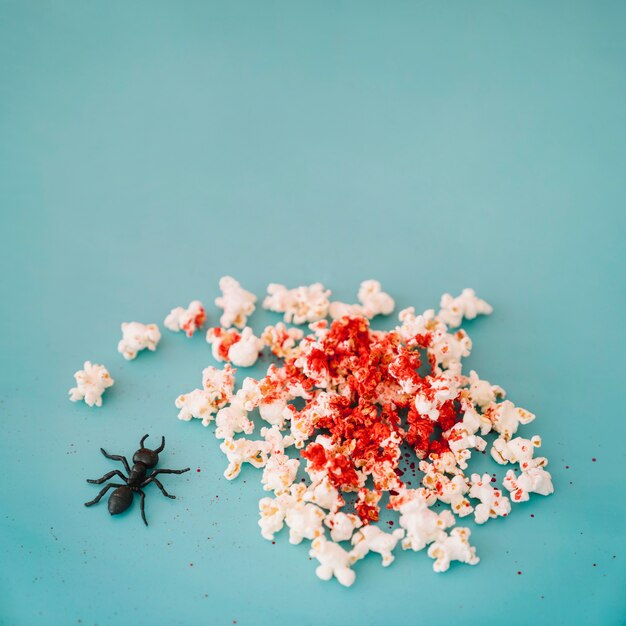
[143, 460]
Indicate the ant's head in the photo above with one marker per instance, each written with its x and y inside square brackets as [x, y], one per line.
[148, 457]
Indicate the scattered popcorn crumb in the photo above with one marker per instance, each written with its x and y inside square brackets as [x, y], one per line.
[136, 337]
[91, 382]
[188, 320]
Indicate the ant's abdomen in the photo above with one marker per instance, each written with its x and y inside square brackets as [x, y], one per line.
[120, 500]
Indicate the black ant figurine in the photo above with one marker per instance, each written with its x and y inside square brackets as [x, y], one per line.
[143, 460]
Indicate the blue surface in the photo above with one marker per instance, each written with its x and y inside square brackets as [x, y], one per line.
[150, 147]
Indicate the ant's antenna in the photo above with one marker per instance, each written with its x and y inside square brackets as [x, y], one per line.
[142, 440]
[160, 448]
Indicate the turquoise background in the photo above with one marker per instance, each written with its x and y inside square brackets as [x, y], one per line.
[147, 148]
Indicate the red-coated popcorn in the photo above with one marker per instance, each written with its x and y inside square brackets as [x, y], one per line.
[188, 320]
[351, 407]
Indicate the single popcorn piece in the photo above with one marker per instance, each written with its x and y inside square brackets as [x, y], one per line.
[373, 302]
[282, 341]
[373, 539]
[342, 525]
[280, 471]
[533, 480]
[241, 349]
[455, 547]
[91, 382]
[506, 418]
[334, 561]
[204, 403]
[467, 306]
[448, 490]
[305, 522]
[300, 305]
[188, 320]
[422, 525]
[137, 337]
[240, 451]
[518, 450]
[492, 502]
[237, 303]
[482, 393]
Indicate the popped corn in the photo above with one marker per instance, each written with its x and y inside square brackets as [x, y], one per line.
[91, 382]
[136, 337]
[190, 319]
[300, 305]
[238, 304]
[348, 400]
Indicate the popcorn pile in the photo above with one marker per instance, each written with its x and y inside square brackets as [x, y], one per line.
[341, 405]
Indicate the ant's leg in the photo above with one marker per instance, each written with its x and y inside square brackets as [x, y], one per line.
[168, 471]
[158, 483]
[106, 477]
[99, 496]
[116, 457]
[142, 495]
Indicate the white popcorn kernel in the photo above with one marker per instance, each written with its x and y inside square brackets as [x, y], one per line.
[322, 493]
[334, 561]
[342, 525]
[492, 502]
[137, 337]
[245, 352]
[517, 450]
[279, 472]
[232, 419]
[448, 490]
[482, 393]
[305, 522]
[237, 303]
[467, 306]
[455, 547]
[373, 539]
[282, 341]
[300, 305]
[533, 480]
[422, 525]
[188, 320]
[374, 300]
[197, 403]
[272, 517]
[240, 451]
[220, 383]
[506, 418]
[91, 382]
[337, 310]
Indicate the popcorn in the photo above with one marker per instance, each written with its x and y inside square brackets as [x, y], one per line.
[506, 418]
[373, 539]
[492, 502]
[533, 480]
[204, 403]
[518, 450]
[455, 547]
[467, 306]
[334, 561]
[374, 300]
[91, 382]
[422, 525]
[137, 337]
[342, 525]
[350, 400]
[300, 305]
[304, 521]
[239, 451]
[238, 304]
[282, 341]
[245, 352]
[190, 319]
[242, 349]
